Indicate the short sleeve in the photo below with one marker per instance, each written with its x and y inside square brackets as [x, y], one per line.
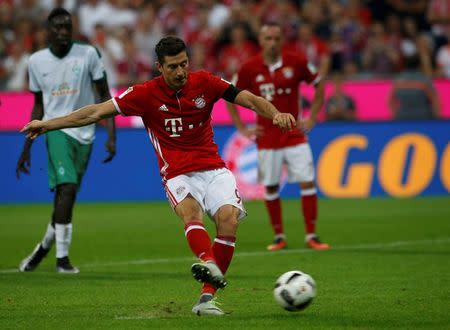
[308, 71]
[241, 78]
[219, 85]
[34, 85]
[96, 66]
[131, 102]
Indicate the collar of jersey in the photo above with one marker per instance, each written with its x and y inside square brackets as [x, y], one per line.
[272, 67]
[169, 91]
[56, 56]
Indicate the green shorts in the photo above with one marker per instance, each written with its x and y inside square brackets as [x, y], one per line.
[67, 159]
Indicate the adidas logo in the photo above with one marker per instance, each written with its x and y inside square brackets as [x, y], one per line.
[163, 108]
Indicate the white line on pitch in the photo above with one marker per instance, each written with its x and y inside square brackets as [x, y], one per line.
[262, 253]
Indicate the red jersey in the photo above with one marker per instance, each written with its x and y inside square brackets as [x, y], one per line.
[178, 122]
[278, 84]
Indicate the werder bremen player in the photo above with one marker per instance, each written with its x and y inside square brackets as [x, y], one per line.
[62, 78]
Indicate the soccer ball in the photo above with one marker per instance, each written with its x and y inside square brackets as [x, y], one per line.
[294, 290]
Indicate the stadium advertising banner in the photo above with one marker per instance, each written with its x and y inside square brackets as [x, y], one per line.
[398, 159]
[371, 103]
[353, 160]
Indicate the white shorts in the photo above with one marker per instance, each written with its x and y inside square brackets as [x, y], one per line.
[211, 189]
[298, 160]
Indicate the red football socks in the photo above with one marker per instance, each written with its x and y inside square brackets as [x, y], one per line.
[223, 249]
[198, 240]
[309, 208]
[274, 209]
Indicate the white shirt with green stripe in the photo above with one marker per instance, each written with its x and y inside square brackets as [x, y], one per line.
[66, 84]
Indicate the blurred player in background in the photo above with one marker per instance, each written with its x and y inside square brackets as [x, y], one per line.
[61, 78]
[176, 110]
[276, 75]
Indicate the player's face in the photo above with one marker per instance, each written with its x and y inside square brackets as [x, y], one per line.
[174, 70]
[270, 40]
[60, 31]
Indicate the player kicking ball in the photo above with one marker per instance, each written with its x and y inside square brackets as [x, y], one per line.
[176, 111]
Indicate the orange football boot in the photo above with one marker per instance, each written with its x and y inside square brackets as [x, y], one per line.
[315, 244]
[278, 244]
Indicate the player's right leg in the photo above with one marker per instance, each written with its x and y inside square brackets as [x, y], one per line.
[270, 163]
[184, 193]
[68, 159]
[40, 251]
[273, 205]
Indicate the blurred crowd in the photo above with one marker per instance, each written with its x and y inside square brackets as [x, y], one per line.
[361, 39]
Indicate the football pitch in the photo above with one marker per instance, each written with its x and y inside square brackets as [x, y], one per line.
[388, 268]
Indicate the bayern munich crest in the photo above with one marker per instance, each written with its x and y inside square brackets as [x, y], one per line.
[200, 102]
[288, 72]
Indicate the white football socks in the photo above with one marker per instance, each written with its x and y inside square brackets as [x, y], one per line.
[49, 237]
[63, 235]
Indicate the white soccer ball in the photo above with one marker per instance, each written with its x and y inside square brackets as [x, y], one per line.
[294, 290]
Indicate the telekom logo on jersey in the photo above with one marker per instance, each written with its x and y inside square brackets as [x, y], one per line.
[174, 125]
[268, 91]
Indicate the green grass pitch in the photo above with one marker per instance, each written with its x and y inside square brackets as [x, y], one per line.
[389, 268]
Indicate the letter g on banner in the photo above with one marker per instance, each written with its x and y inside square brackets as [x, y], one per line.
[331, 167]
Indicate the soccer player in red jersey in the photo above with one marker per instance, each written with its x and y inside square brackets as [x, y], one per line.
[176, 111]
[276, 75]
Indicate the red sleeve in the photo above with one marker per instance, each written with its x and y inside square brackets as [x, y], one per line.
[322, 47]
[131, 102]
[241, 79]
[217, 84]
[308, 71]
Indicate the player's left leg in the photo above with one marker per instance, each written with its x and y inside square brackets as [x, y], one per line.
[223, 249]
[65, 200]
[224, 205]
[301, 169]
[68, 160]
[309, 209]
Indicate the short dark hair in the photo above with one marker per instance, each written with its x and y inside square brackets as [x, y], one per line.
[272, 24]
[169, 46]
[58, 11]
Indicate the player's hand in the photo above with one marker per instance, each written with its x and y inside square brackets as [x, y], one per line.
[252, 132]
[23, 164]
[285, 121]
[306, 125]
[34, 128]
[110, 146]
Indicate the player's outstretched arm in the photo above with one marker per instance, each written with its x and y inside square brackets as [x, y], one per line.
[86, 115]
[285, 121]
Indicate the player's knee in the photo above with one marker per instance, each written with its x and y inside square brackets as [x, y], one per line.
[67, 190]
[307, 185]
[189, 210]
[227, 219]
[65, 199]
[272, 189]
